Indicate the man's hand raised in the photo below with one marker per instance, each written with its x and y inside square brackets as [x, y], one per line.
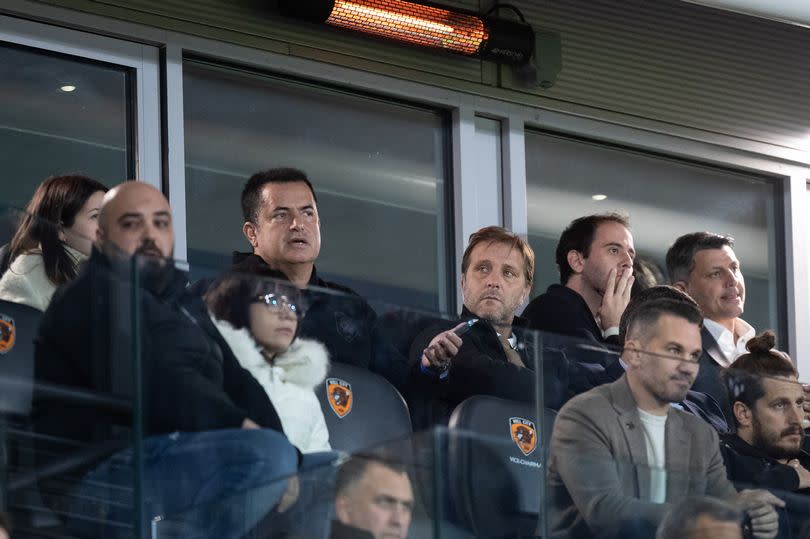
[616, 298]
[442, 348]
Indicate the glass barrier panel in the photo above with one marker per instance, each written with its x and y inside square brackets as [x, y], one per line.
[69, 395]
[138, 404]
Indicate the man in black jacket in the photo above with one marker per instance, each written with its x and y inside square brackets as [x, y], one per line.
[766, 400]
[494, 357]
[595, 259]
[282, 225]
[209, 430]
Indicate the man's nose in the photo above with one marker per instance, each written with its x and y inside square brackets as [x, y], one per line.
[296, 222]
[794, 415]
[398, 516]
[627, 261]
[494, 281]
[148, 232]
[688, 366]
[731, 279]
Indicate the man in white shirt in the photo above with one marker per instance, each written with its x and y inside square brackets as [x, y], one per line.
[704, 266]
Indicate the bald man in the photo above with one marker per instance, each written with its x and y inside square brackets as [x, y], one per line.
[210, 430]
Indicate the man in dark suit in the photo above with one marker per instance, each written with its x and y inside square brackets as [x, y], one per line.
[494, 357]
[595, 259]
[621, 455]
[704, 266]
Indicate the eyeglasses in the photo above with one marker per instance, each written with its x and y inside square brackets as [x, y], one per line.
[278, 304]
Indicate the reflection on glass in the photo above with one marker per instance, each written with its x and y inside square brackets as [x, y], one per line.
[61, 115]
[665, 198]
[377, 168]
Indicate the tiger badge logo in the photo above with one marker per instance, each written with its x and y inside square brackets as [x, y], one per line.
[8, 333]
[339, 393]
[523, 434]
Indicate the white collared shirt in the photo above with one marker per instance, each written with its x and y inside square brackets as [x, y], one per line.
[512, 340]
[725, 339]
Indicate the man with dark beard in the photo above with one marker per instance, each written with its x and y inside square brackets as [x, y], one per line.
[210, 432]
[767, 401]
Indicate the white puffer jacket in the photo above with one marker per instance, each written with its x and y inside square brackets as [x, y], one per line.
[289, 382]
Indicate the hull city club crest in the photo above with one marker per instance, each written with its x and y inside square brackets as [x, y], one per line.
[523, 434]
[339, 393]
[8, 333]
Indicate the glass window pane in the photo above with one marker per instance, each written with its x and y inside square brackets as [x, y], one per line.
[378, 168]
[61, 114]
[665, 198]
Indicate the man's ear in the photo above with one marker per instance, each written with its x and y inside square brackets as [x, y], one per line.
[743, 414]
[342, 509]
[632, 352]
[680, 285]
[249, 230]
[575, 260]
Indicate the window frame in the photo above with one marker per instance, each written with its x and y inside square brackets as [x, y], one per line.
[144, 136]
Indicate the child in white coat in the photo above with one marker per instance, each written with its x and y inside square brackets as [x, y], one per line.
[259, 321]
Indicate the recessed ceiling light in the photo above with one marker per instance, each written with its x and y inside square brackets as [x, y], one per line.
[67, 88]
[599, 197]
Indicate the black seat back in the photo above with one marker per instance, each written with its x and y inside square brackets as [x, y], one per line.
[496, 465]
[361, 409]
[18, 327]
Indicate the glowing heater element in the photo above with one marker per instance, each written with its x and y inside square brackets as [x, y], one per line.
[413, 23]
[461, 32]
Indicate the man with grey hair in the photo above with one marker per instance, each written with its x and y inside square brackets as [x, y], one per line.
[704, 265]
[702, 517]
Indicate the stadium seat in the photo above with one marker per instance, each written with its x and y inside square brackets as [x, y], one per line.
[361, 409]
[18, 327]
[496, 455]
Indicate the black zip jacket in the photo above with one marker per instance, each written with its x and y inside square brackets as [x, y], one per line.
[482, 368]
[191, 380]
[747, 464]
